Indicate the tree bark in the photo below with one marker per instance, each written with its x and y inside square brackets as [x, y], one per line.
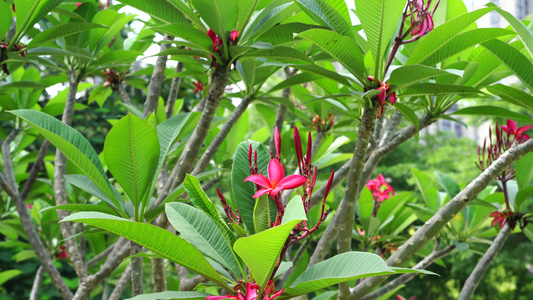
[483, 265]
[36, 287]
[156, 82]
[121, 284]
[136, 270]
[346, 209]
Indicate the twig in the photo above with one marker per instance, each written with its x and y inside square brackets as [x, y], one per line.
[173, 93]
[186, 283]
[124, 97]
[221, 136]
[156, 82]
[121, 284]
[100, 256]
[35, 170]
[404, 278]
[36, 287]
[483, 265]
[445, 214]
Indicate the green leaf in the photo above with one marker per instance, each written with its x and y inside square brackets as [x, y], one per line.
[280, 53]
[340, 268]
[522, 195]
[379, 19]
[406, 76]
[131, 151]
[195, 37]
[5, 18]
[117, 56]
[455, 45]
[201, 231]
[424, 89]
[337, 18]
[283, 34]
[188, 12]
[270, 242]
[29, 12]
[417, 271]
[524, 171]
[323, 72]
[83, 182]
[61, 30]
[74, 146]
[446, 182]
[243, 192]
[512, 95]
[171, 295]
[408, 113]
[341, 48]
[7, 275]
[441, 35]
[154, 238]
[159, 9]
[219, 15]
[200, 200]
[274, 13]
[492, 111]
[295, 80]
[83, 207]
[524, 33]
[261, 214]
[513, 59]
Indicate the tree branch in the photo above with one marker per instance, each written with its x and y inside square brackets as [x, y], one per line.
[156, 82]
[173, 93]
[121, 284]
[483, 265]
[346, 209]
[220, 137]
[404, 278]
[124, 97]
[186, 283]
[34, 172]
[445, 214]
[36, 287]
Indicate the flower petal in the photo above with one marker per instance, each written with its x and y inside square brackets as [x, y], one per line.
[261, 192]
[292, 181]
[523, 129]
[260, 180]
[512, 126]
[275, 172]
[219, 297]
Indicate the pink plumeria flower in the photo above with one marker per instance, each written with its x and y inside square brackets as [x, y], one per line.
[217, 41]
[233, 36]
[519, 133]
[380, 189]
[276, 180]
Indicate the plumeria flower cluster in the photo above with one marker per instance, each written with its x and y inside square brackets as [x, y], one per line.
[505, 137]
[218, 43]
[251, 293]
[276, 182]
[199, 87]
[421, 18]
[382, 96]
[381, 191]
[3, 54]
[323, 125]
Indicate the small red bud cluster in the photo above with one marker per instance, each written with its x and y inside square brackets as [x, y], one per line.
[323, 125]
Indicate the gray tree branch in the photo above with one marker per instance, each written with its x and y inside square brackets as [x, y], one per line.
[121, 284]
[36, 287]
[445, 214]
[346, 209]
[483, 265]
[186, 283]
[156, 82]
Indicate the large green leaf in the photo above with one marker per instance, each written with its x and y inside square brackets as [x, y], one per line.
[379, 19]
[443, 34]
[74, 146]
[154, 238]
[512, 95]
[280, 53]
[189, 13]
[323, 72]
[195, 37]
[524, 33]
[492, 111]
[84, 207]
[261, 214]
[450, 186]
[171, 295]
[243, 192]
[295, 80]
[274, 13]
[331, 13]
[456, 45]
[340, 268]
[406, 76]
[408, 113]
[29, 12]
[219, 15]
[524, 171]
[201, 231]
[85, 183]
[131, 151]
[341, 48]
[5, 18]
[424, 89]
[269, 243]
[513, 59]
[159, 9]
[284, 33]
[59, 31]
